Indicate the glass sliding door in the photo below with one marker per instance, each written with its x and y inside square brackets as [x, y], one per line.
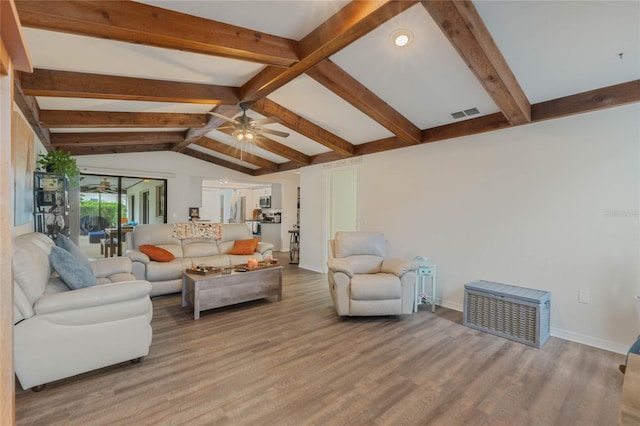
[108, 210]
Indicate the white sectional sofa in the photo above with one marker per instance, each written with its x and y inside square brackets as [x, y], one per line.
[166, 277]
[59, 332]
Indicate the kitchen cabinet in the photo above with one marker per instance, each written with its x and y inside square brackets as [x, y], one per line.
[257, 193]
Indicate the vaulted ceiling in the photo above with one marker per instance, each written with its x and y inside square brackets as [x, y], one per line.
[121, 76]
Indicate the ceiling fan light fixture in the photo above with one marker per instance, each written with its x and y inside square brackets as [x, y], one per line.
[243, 135]
[401, 37]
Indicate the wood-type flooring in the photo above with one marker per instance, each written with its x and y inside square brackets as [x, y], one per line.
[295, 362]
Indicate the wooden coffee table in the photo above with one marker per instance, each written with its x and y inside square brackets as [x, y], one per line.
[216, 290]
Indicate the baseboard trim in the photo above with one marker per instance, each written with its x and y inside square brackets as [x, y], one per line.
[563, 334]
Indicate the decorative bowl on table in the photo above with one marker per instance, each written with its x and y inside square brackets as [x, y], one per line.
[203, 270]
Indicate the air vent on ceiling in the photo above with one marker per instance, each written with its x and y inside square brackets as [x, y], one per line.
[465, 113]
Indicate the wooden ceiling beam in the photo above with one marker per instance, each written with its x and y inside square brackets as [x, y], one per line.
[68, 84]
[13, 44]
[29, 107]
[461, 24]
[56, 119]
[304, 127]
[147, 25]
[218, 161]
[232, 151]
[117, 149]
[115, 138]
[592, 100]
[351, 90]
[349, 24]
[486, 123]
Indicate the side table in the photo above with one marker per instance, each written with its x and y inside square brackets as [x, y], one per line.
[421, 297]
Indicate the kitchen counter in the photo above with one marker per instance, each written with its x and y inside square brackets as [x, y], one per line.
[271, 234]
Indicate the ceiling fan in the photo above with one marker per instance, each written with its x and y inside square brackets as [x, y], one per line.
[104, 186]
[245, 128]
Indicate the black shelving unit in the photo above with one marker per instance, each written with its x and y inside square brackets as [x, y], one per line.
[51, 204]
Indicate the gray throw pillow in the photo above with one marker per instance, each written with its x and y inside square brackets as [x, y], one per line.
[72, 272]
[66, 243]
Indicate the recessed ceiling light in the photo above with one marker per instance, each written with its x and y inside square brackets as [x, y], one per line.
[401, 38]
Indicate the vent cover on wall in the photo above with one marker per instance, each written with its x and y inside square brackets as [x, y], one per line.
[516, 313]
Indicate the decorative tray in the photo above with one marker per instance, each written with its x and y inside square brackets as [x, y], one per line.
[244, 267]
[207, 270]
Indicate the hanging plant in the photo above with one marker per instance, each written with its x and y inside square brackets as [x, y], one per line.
[59, 163]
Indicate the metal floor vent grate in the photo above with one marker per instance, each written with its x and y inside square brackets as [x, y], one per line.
[515, 313]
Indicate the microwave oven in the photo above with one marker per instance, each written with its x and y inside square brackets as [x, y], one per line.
[265, 202]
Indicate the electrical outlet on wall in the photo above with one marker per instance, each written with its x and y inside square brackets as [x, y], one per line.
[584, 296]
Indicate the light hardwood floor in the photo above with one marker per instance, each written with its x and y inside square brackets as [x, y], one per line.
[295, 362]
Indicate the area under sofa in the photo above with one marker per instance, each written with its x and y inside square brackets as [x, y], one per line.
[166, 277]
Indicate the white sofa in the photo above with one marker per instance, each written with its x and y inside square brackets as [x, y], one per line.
[363, 281]
[60, 332]
[166, 277]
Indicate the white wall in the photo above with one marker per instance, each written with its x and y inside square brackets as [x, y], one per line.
[552, 206]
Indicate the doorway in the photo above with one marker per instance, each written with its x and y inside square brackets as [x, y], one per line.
[342, 200]
[108, 210]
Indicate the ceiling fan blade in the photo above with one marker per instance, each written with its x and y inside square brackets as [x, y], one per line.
[223, 117]
[272, 132]
[267, 120]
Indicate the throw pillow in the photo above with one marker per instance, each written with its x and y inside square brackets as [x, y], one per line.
[66, 243]
[244, 246]
[156, 253]
[71, 271]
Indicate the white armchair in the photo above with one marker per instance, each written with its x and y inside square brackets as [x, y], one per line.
[59, 332]
[363, 281]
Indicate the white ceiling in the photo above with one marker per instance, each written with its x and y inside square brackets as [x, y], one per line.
[554, 48]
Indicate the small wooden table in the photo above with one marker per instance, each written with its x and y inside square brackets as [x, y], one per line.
[216, 290]
[112, 242]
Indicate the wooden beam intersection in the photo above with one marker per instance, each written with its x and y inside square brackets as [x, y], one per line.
[461, 23]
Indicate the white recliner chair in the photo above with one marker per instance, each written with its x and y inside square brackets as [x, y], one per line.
[60, 332]
[363, 281]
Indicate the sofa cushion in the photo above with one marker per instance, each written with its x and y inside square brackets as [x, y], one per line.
[156, 253]
[31, 267]
[375, 287]
[244, 246]
[72, 272]
[199, 247]
[65, 242]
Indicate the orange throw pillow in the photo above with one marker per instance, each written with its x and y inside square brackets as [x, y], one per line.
[244, 246]
[156, 253]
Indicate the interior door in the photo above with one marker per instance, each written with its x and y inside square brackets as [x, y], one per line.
[343, 200]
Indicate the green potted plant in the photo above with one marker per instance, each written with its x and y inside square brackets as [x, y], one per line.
[60, 163]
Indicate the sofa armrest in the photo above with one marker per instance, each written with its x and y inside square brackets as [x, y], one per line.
[264, 247]
[137, 256]
[88, 297]
[111, 265]
[340, 265]
[397, 266]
